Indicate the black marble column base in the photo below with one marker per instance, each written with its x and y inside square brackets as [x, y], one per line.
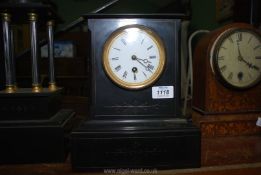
[36, 141]
[27, 105]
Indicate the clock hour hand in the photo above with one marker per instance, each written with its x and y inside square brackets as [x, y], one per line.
[251, 66]
[138, 60]
[134, 70]
[243, 60]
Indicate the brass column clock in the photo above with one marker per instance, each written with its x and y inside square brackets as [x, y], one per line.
[134, 118]
[227, 93]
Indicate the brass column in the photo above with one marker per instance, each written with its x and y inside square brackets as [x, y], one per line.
[13, 62]
[52, 83]
[9, 58]
[36, 86]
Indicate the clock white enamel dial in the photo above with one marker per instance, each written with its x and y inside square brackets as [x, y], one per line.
[134, 57]
[236, 58]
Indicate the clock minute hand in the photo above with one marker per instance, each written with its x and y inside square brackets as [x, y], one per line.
[240, 58]
[144, 60]
[146, 67]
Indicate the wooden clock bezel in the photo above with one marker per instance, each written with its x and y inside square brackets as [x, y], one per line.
[214, 58]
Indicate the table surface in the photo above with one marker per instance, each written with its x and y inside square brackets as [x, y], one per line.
[65, 169]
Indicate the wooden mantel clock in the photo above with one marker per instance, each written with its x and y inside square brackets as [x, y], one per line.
[227, 93]
[135, 118]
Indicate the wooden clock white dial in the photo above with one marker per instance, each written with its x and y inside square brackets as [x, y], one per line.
[134, 57]
[236, 58]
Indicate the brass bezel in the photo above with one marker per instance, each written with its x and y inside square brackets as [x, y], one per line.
[157, 73]
[216, 48]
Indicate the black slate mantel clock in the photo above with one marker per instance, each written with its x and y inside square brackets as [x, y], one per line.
[135, 118]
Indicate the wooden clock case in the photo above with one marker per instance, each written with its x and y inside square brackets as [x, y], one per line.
[127, 128]
[225, 115]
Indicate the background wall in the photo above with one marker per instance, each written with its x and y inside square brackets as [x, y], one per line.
[70, 10]
[203, 15]
[202, 11]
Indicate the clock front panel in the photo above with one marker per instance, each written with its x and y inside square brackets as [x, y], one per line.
[129, 58]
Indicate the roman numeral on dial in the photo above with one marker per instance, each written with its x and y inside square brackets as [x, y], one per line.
[221, 58]
[149, 47]
[258, 46]
[118, 68]
[123, 41]
[239, 36]
[115, 58]
[230, 39]
[117, 49]
[125, 74]
[223, 68]
[230, 76]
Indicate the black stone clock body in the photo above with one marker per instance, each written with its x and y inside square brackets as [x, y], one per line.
[130, 128]
[108, 100]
